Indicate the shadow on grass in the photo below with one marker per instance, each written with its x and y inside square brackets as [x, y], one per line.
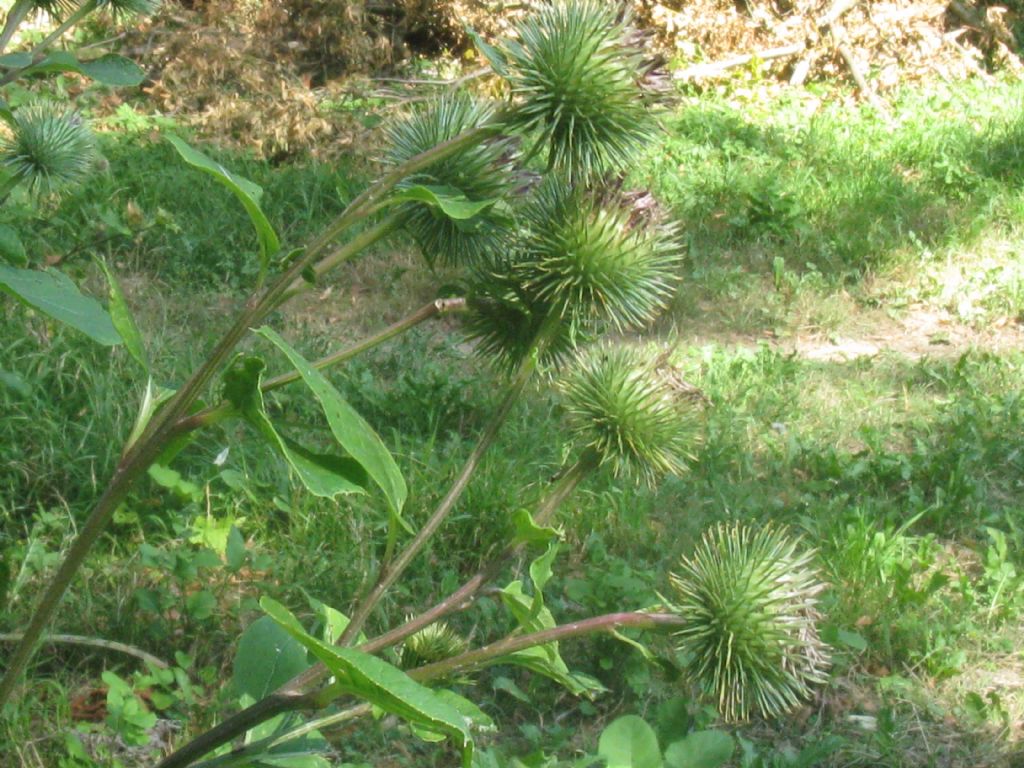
[154, 213]
[839, 193]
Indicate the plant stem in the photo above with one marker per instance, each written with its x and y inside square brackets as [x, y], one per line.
[338, 256]
[426, 312]
[494, 652]
[390, 574]
[15, 16]
[214, 413]
[299, 686]
[79, 13]
[164, 424]
[91, 642]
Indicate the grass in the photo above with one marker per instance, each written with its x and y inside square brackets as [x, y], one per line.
[789, 191]
[902, 466]
[151, 215]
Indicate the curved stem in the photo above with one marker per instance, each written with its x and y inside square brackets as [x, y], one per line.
[480, 657]
[214, 413]
[494, 652]
[390, 574]
[15, 17]
[324, 264]
[426, 312]
[164, 424]
[77, 15]
[91, 642]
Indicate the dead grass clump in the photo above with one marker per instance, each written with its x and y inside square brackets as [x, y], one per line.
[881, 43]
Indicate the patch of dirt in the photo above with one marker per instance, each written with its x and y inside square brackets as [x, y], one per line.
[920, 332]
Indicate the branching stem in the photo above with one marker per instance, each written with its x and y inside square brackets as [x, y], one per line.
[391, 572]
[164, 425]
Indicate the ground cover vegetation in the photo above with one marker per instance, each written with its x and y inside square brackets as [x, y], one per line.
[846, 327]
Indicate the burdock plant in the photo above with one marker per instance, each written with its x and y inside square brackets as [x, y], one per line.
[49, 148]
[576, 69]
[748, 599]
[483, 174]
[548, 267]
[635, 419]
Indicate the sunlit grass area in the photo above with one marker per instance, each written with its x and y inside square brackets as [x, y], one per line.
[820, 237]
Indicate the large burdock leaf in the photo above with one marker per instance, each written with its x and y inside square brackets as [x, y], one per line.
[322, 474]
[701, 749]
[450, 201]
[348, 427]
[247, 192]
[109, 69]
[381, 684]
[267, 657]
[52, 293]
[629, 742]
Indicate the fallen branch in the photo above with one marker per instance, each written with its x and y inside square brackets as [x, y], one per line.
[715, 68]
[827, 25]
[976, 19]
[836, 12]
[93, 642]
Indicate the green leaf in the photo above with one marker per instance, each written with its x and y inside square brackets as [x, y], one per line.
[201, 605]
[172, 480]
[533, 616]
[348, 427]
[644, 650]
[335, 622]
[267, 657]
[109, 69]
[11, 249]
[450, 201]
[508, 685]
[701, 749]
[14, 383]
[302, 760]
[531, 613]
[17, 60]
[52, 293]
[381, 684]
[323, 475]
[248, 193]
[528, 532]
[852, 640]
[234, 549]
[493, 55]
[121, 317]
[629, 742]
[469, 710]
[214, 532]
[152, 399]
[547, 661]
